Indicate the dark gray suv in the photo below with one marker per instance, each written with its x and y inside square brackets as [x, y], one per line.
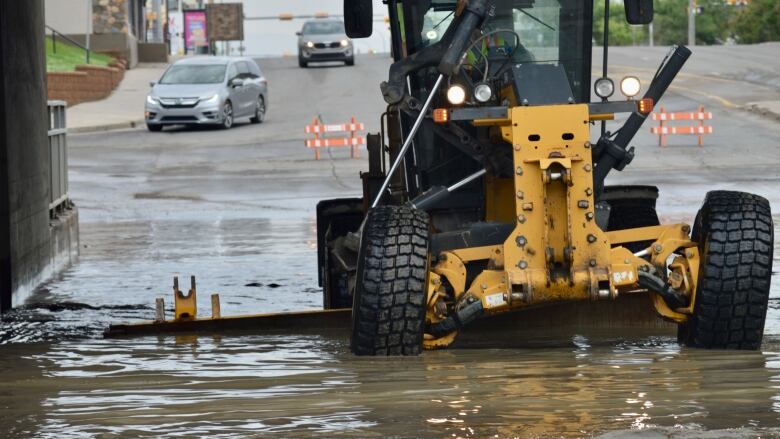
[324, 40]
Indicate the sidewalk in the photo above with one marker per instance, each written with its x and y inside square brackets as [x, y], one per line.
[124, 108]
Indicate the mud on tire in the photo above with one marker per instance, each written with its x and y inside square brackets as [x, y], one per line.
[388, 310]
[736, 239]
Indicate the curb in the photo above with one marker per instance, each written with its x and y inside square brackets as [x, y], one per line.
[106, 127]
[762, 111]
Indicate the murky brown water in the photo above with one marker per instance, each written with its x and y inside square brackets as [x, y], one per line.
[293, 386]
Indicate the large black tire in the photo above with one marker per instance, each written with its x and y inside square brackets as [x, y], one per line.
[301, 63]
[153, 127]
[388, 311]
[736, 240]
[631, 207]
[335, 219]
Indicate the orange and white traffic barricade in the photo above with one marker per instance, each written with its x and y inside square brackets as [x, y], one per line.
[663, 129]
[353, 141]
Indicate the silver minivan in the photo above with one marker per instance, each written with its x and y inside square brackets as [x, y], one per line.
[207, 90]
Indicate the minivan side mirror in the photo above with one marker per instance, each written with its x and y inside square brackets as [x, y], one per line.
[358, 18]
[299, 33]
[236, 82]
[152, 83]
[639, 11]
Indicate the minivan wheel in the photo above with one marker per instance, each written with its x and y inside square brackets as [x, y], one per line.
[259, 111]
[227, 115]
[154, 127]
[301, 63]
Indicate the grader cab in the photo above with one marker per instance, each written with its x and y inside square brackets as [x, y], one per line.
[486, 190]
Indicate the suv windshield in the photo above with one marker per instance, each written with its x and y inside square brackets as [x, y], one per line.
[323, 27]
[194, 74]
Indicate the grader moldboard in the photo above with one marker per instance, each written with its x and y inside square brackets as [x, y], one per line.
[494, 200]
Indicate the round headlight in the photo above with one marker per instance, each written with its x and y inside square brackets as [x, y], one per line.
[456, 94]
[309, 44]
[482, 92]
[630, 86]
[344, 43]
[604, 87]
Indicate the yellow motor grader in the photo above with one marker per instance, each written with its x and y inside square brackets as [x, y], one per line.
[485, 191]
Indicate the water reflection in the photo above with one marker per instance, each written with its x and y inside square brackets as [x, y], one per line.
[312, 386]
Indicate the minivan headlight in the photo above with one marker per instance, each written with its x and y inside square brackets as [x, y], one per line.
[310, 44]
[211, 100]
[151, 100]
[344, 43]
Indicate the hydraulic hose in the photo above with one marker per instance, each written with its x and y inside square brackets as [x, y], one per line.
[463, 317]
[612, 151]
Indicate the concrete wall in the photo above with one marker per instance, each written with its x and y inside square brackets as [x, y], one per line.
[153, 52]
[70, 16]
[26, 246]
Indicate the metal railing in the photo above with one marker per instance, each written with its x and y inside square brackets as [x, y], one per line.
[55, 32]
[58, 154]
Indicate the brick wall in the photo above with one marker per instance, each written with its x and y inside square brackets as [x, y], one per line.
[87, 83]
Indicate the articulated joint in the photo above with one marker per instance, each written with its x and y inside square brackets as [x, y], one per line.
[672, 297]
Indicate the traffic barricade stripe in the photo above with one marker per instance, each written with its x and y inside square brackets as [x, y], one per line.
[353, 141]
[664, 130]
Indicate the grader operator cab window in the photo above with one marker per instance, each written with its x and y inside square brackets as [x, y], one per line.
[555, 32]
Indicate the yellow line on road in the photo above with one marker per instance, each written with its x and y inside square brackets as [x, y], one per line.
[681, 74]
[725, 102]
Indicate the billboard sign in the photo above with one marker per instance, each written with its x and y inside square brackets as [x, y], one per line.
[195, 31]
[226, 21]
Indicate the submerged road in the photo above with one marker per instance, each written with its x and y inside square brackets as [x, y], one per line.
[236, 209]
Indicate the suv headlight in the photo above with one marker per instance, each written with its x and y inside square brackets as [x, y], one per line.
[344, 43]
[310, 44]
[151, 100]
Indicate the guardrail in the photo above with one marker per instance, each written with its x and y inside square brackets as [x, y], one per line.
[58, 154]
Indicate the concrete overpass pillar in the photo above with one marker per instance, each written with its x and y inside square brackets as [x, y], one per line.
[25, 249]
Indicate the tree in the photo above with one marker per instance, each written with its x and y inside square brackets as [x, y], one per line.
[758, 22]
[620, 32]
[712, 22]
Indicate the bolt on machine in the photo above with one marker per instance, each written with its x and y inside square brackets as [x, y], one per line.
[486, 194]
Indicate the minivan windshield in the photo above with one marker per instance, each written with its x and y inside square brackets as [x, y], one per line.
[323, 28]
[194, 74]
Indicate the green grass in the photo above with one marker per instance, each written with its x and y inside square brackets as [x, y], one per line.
[67, 57]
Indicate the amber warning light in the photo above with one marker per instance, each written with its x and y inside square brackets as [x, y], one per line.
[441, 115]
[646, 106]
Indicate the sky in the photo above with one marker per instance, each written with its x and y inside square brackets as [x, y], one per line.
[274, 37]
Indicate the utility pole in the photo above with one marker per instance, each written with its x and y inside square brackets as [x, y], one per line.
[157, 31]
[652, 34]
[691, 22]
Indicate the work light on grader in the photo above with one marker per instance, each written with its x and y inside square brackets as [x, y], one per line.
[485, 191]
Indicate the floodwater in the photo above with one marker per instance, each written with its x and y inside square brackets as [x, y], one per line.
[237, 210]
[62, 379]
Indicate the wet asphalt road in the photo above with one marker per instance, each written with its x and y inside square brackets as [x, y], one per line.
[236, 209]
